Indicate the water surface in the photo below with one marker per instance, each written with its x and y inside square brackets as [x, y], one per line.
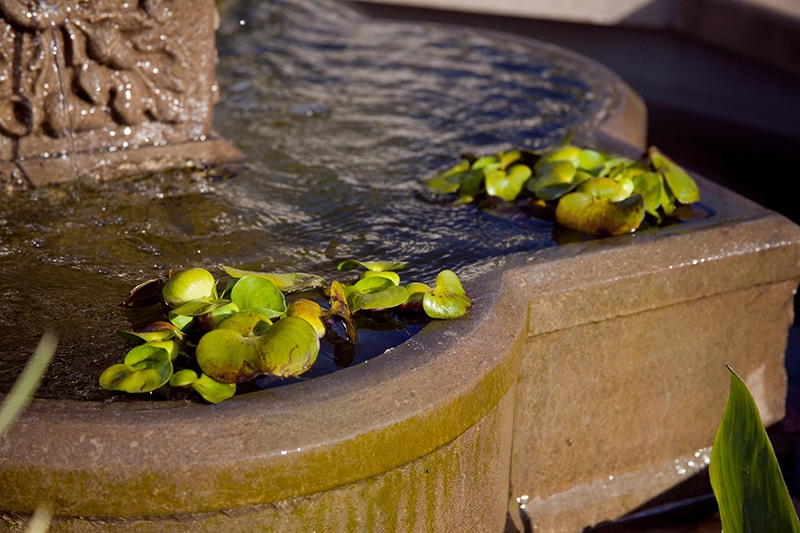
[340, 116]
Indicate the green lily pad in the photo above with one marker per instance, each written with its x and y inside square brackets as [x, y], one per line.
[597, 216]
[188, 285]
[291, 282]
[289, 348]
[375, 266]
[260, 295]
[447, 299]
[146, 368]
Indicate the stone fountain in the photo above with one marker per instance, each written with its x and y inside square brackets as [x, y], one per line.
[106, 89]
[588, 379]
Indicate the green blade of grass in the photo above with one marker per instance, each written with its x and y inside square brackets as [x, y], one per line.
[21, 393]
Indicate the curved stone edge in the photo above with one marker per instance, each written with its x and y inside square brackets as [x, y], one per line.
[150, 460]
[643, 325]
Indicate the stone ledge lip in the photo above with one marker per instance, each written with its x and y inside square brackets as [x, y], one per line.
[39, 171]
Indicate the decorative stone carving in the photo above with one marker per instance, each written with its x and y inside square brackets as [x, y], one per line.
[86, 85]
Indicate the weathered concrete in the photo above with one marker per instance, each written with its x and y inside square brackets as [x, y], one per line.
[85, 85]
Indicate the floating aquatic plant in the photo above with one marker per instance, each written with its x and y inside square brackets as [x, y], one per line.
[594, 192]
[216, 334]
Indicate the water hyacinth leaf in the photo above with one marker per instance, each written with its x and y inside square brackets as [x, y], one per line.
[450, 180]
[290, 282]
[151, 370]
[181, 322]
[649, 185]
[564, 153]
[212, 390]
[552, 173]
[604, 188]
[228, 357]
[183, 378]
[310, 311]
[483, 162]
[374, 266]
[198, 307]
[253, 293]
[289, 348]
[339, 311]
[188, 285]
[147, 336]
[596, 216]
[246, 323]
[145, 294]
[667, 200]
[683, 187]
[472, 186]
[386, 298]
[591, 160]
[394, 277]
[508, 158]
[506, 185]
[448, 299]
[554, 192]
[744, 472]
[152, 351]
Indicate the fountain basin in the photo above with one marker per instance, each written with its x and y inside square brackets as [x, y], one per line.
[587, 379]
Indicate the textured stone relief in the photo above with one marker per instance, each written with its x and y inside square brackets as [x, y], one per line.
[71, 66]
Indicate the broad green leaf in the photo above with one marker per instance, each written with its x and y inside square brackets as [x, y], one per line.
[198, 307]
[291, 282]
[148, 369]
[683, 187]
[211, 390]
[227, 356]
[310, 311]
[583, 212]
[254, 293]
[648, 184]
[289, 348]
[565, 153]
[447, 299]
[385, 298]
[147, 336]
[246, 323]
[450, 180]
[472, 185]
[506, 159]
[394, 277]
[591, 160]
[745, 475]
[187, 285]
[183, 378]
[375, 266]
[151, 351]
[552, 173]
[483, 162]
[506, 185]
[604, 188]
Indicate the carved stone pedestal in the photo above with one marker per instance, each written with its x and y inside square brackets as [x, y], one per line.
[106, 88]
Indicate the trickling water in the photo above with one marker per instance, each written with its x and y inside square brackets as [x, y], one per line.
[339, 116]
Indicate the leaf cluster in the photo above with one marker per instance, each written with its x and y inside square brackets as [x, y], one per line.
[594, 192]
[216, 334]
